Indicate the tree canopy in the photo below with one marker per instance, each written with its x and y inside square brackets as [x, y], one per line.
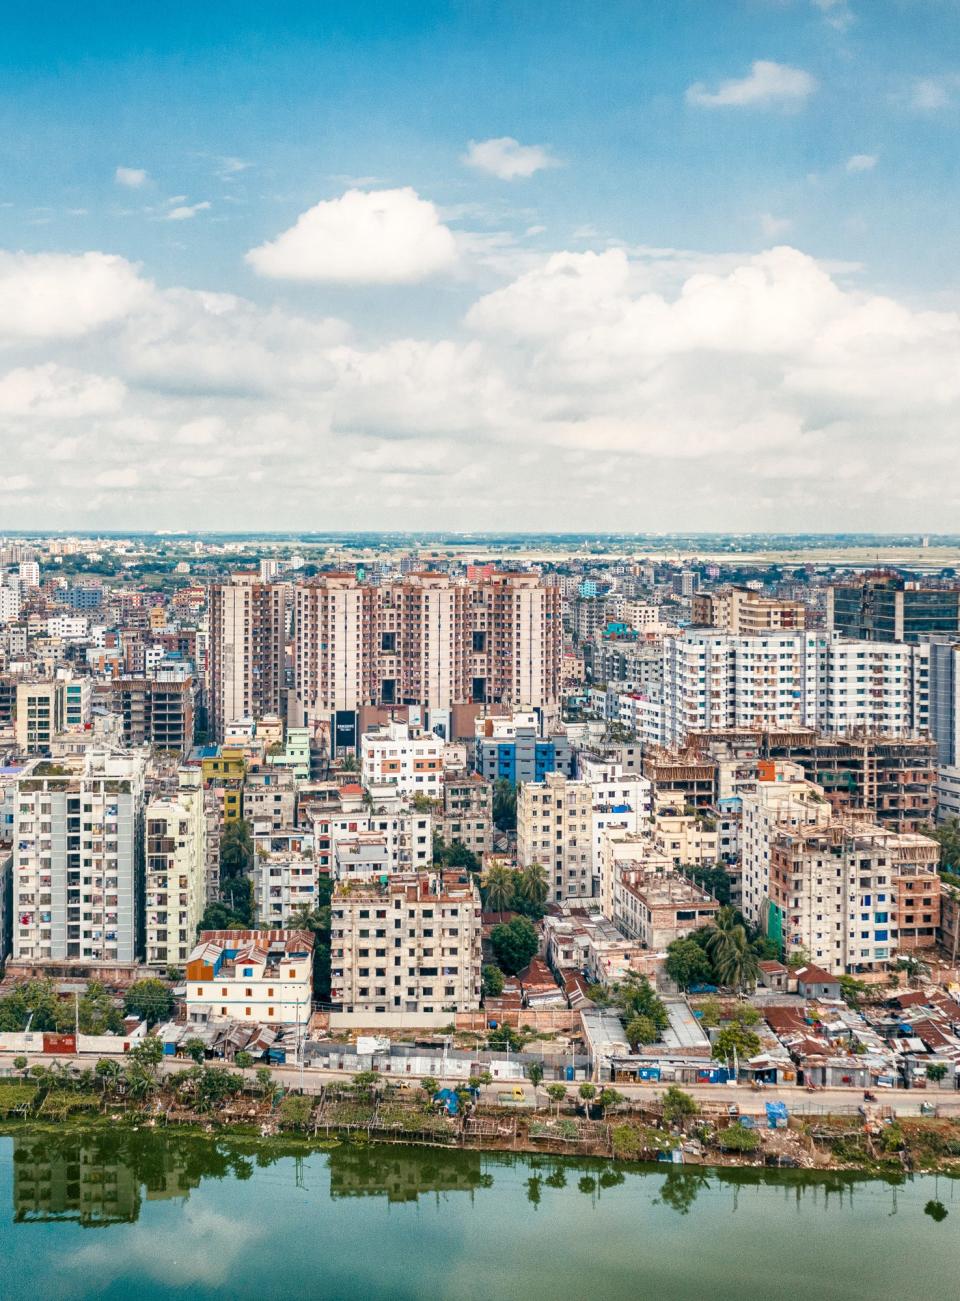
[514, 943]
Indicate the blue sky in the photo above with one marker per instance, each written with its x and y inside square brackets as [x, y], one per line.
[715, 130]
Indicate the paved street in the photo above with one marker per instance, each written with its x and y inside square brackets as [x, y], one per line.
[904, 1102]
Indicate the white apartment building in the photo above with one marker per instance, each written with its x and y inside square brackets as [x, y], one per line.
[714, 680]
[282, 883]
[29, 573]
[406, 757]
[176, 865]
[407, 834]
[40, 715]
[412, 945]
[9, 604]
[623, 852]
[78, 858]
[853, 895]
[68, 627]
[785, 800]
[555, 829]
[257, 976]
[618, 800]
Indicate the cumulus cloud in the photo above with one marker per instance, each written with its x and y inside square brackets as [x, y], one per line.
[767, 84]
[363, 237]
[134, 178]
[61, 296]
[57, 392]
[861, 162]
[507, 158]
[727, 390]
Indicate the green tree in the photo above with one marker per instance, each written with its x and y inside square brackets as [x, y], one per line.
[730, 949]
[641, 1030]
[936, 1071]
[429, 1085]
[498, 888]
[735, 1040]
[852, 991]
[738, 1139]
[557, 1093]
[947, 836]
[236, 850]
[535, 1076]
[492, 981]
[148, 1053]
[688, 964]
[677, 1106]
[533, 887]
[505, 805]
[636, 997]
[316, 921]
[799, 957]
[195, 1049]
[609, 1098]
[243, 1061]
[264, 1078]
[150, 1000]
[514, 943]
[587, 1092]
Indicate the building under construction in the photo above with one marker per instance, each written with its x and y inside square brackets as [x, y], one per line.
[892, 778]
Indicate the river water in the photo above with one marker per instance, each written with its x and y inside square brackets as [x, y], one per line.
[146, 1215]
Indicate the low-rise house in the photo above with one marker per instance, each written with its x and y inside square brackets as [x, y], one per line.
[252, 976]
[814, 982]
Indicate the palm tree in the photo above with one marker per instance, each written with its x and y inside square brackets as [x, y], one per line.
[498, 888]
[736, 962]
[730, 950]
[533, 886]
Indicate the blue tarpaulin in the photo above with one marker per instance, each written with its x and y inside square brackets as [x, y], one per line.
[776, 1114]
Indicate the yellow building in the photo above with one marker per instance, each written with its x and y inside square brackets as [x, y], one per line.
[223, 772]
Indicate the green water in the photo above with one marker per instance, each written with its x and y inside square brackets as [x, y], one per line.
[115, 1214]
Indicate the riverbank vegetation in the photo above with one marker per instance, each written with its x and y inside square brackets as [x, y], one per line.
[586, 1121]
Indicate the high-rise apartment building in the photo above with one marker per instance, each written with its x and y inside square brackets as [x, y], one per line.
[410, 944]
[426, 640]
[886, 607]
[742, 610]
[40, 715]
[79, 859]
[853, 895]
[555, 827]
[176, 867]
[247, 650]
[156, 710]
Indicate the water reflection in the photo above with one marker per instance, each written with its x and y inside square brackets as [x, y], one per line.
[403, 1174]
[101, 1178]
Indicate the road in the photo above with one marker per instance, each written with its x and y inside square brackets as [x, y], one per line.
[903, 1102]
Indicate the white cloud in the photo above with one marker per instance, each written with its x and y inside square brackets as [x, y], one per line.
[125, 477]
[507, 158]
[14, 482]
[363, 237]
[767, 83]
[837, 13]
[60, 296]
[861, 162]
[931, 93]
[57, 392]
[726, 390]
[773, 226]
[134, 178]
[186, 211]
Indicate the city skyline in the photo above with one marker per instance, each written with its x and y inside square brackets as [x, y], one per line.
[530, 269]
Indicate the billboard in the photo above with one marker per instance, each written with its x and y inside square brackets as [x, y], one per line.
[344, 730]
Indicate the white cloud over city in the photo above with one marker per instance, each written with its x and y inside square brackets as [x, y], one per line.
[637, 388]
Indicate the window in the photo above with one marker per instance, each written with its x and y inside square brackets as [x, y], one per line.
[249, 993]
[246, 1011]
[293, 974]
[270, 992]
